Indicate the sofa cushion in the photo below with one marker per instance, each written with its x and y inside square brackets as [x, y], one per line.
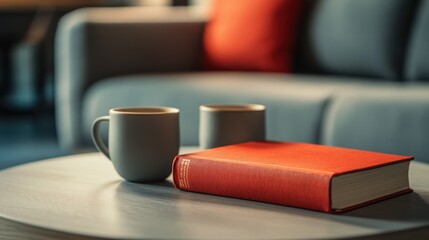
[363, 38]
[252, 35]
[294, 103]
[417, 65]
[385, 118]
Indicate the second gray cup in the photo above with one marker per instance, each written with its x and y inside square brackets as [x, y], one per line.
[222, 125]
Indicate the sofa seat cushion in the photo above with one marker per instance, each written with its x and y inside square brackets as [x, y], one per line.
[294, 103]
[391, 118]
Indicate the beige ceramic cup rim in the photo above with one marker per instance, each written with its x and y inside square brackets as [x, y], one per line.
[233, 107]
[150, 110]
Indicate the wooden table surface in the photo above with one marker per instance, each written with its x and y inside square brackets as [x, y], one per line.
[82, 197]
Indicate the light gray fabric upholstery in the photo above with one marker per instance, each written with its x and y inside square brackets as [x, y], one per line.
[93, 44]
[364, 38]
[294, 103]
[385, 118]
[109, 57]
[417, 65]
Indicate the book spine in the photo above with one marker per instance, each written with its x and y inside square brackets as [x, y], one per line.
[291, 187]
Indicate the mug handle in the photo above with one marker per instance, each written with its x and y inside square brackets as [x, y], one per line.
[96, 138]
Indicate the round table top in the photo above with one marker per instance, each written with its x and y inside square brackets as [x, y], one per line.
[83, 195]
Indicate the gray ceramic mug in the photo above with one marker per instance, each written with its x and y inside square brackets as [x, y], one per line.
[222, 125]
[143, 141]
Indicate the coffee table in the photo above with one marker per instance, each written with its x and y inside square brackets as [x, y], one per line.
[82, 197]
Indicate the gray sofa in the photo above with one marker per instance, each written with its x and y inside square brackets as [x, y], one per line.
[361, 79]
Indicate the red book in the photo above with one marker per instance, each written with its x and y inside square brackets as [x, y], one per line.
[311, 176]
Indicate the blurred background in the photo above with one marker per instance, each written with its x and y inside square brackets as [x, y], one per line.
[357, 76]
[27, 33]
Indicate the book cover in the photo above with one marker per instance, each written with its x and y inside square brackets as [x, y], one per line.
[286, 173]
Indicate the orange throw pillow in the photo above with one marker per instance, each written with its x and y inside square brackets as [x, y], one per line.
[252, 35]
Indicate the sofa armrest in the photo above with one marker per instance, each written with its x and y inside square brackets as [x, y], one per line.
[96, 43]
